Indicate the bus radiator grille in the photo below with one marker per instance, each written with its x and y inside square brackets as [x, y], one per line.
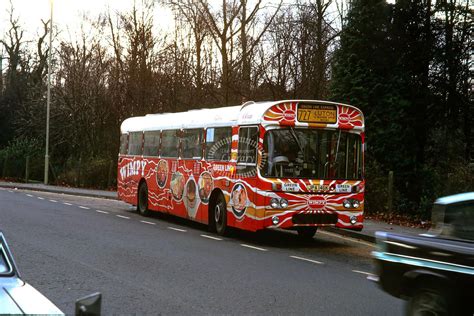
[322, 218]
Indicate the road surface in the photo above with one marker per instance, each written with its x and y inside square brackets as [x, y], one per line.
[70, 246]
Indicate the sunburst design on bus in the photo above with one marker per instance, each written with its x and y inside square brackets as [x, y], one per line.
[284, 114]
[349, 117]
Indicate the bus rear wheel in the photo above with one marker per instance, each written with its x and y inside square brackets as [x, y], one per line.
[218, 216]
[142, 205]
[307, 232]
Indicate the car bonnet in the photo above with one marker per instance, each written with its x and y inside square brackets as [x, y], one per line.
[18, 297]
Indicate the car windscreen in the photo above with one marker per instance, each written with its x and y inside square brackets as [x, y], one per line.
[312, 154]
[7, 263]
[5, 266]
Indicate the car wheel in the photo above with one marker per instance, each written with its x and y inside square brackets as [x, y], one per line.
[429, 301]
[219, 215]
[306, 233]
[142, 205]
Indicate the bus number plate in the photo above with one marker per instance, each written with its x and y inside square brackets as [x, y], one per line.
[316, 113]
[318, 188]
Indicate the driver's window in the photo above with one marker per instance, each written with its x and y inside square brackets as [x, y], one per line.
[459, 221]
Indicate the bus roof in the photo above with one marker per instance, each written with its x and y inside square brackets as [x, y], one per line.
[249, 113]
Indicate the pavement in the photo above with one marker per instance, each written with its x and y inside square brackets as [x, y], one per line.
[59, 189]
[367, 234]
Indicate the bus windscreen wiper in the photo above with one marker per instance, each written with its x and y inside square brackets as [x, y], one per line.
[337, 147]
[293, 133]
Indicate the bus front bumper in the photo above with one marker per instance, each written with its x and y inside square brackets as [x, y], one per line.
[286, 219]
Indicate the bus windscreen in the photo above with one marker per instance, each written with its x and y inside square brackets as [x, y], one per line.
[312, 154]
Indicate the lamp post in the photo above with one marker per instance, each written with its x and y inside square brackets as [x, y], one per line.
[48, 96]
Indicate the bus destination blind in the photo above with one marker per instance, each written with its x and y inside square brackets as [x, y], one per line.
[317, 113]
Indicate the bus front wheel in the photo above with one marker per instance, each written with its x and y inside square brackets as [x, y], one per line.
[142, 205]
[218, 215]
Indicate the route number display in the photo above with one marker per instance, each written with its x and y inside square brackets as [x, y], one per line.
[312, 113]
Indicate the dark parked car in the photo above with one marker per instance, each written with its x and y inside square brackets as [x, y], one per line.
[434, 272]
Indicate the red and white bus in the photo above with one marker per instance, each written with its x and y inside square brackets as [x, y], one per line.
[296, 164]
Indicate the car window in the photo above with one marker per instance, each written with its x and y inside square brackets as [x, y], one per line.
[459, 221]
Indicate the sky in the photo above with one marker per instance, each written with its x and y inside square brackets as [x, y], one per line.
[67, 14]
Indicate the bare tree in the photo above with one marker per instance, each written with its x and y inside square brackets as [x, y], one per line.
[303, 38]
[12, 46]
[189, 14]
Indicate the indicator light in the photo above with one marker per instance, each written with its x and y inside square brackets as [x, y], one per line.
[353, 220]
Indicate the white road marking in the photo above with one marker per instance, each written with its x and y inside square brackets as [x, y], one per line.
[54, 201]
[305, 259]
[121, 216]
[84, 207]
[374, 278]
[150, 223]
[346, 238]
[40, 198]
[65, 203]
[103, 212]
[29, 195]
[253, 247]
[177, 229]
[363, 272]
[10, 191]
[211, 237]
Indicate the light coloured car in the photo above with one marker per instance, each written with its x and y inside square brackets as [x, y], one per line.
[17, 296]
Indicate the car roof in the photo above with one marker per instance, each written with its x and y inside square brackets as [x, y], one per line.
[456, 198]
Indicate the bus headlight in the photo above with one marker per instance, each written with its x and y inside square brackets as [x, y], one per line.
[351, 203]
[274, 203]
[347, 204]
[278, 203]
[355, 203]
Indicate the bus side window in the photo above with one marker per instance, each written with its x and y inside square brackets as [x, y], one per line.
[218, 143]
[123, 144]
[151, 143]
[169, 144]
[192, 143]
[135, 143]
